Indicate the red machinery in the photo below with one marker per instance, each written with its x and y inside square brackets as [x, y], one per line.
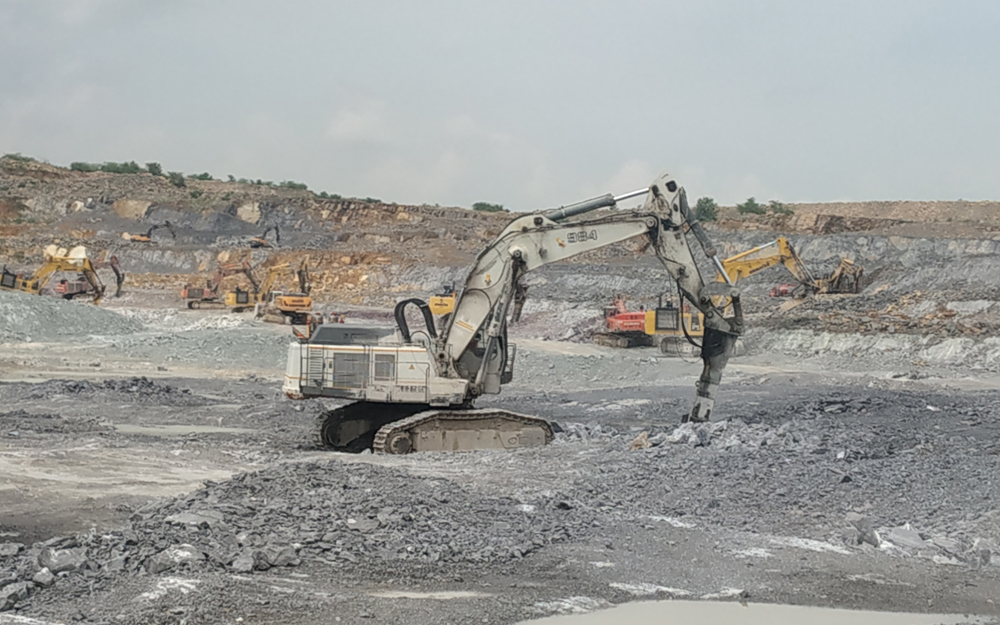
[619, 319]
[784, 290]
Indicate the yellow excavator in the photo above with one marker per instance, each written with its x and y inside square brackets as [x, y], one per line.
[76, 262]
[147, 237]
[666, 326]
[846, 278]
[281, 307]
[70, 289]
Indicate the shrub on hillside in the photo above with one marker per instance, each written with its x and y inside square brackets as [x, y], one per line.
[176, 178]
[750, 207]
[21, 158]
[706, 209]
[779, 208]
[87, 167]
[130, 167]
[154, 168]
[486, 207]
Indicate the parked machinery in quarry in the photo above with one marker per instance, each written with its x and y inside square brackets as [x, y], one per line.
[675, 330]
[294, 307]
[85, 282]
[208, 297]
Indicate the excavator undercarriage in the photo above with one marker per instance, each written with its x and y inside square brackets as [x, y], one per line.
[406, 428]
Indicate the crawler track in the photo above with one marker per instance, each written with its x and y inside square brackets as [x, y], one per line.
[462, 430]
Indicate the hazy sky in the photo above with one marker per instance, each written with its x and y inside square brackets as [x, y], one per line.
[529, 104]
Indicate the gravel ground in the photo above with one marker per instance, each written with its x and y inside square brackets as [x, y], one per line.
[829, 478]
[866, 478]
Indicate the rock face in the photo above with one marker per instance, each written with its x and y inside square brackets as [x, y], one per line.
[249, 212]
[131, 209]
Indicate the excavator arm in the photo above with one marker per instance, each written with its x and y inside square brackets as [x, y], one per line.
[87, 269]
[748, 263]
[270, 278]
[302, 273]
[473, 342]
[40, 277]
[113, 264]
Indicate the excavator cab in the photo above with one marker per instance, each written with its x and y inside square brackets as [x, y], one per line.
[444, 302]
[666, 318]
[8, 280]
[238, 299]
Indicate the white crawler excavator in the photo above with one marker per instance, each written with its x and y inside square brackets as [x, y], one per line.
[413, 390]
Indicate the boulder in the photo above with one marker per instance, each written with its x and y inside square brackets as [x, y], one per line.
[44, 578]
[172, 557]
[62, 560]
[8, 550]
[13, 594]
[906, 537]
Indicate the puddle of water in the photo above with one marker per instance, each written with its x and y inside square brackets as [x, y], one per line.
[442, 595]
[733, 613]
[177, 430]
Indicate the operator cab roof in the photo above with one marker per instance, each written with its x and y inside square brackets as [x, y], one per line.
[349, 334]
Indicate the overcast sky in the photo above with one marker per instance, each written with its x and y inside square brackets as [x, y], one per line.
[529, 104]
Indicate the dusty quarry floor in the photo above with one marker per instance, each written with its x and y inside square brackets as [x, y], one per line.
[864, 488]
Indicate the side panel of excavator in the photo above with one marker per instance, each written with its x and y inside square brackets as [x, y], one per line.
[395, 393]
[381, 373]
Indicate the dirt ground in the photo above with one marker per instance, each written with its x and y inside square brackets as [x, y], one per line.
[775, 507]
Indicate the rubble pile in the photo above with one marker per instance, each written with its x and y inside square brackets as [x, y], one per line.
[19, 423]
[43, 319]
[350, 515]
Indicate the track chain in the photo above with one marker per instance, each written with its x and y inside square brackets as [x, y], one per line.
[402, 425]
